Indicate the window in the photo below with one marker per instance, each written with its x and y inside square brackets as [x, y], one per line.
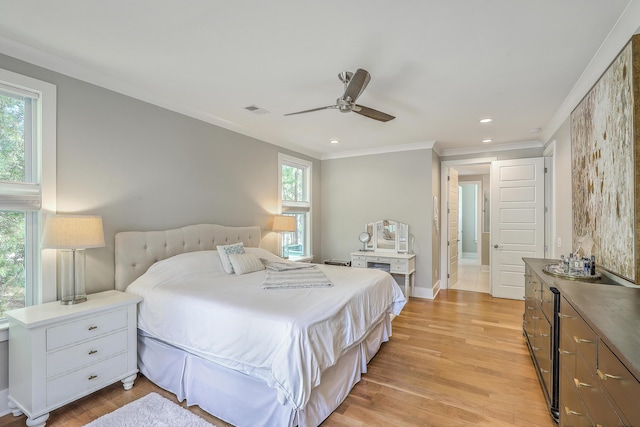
[27, 189]
[294, 179]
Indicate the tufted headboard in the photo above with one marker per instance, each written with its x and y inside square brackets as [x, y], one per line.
[136, 251]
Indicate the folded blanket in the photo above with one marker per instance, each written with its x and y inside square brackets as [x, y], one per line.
[282, 266]
[302, 277]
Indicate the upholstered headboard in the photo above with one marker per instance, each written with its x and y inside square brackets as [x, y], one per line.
[136, 251]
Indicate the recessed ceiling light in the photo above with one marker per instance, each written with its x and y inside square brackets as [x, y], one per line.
[334, 141]
[487, 120]
[487, 140]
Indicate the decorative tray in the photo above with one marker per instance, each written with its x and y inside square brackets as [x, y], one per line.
[559, 271]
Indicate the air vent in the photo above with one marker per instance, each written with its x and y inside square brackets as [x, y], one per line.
[256, 110]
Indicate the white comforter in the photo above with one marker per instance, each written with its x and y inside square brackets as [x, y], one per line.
[286, 337]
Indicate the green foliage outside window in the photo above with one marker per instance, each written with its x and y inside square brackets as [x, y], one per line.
[12, 224]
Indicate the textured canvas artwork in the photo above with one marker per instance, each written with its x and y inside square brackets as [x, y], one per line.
[603, 150]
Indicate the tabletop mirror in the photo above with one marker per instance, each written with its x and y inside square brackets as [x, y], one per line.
[387, 235]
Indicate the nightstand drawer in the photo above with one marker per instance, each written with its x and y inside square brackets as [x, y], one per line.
[85, 328]
[86, 353]
[91, 377]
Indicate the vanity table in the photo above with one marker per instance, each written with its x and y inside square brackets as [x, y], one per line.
[394, 263]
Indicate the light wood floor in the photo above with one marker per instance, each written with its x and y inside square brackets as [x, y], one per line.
[460, 360]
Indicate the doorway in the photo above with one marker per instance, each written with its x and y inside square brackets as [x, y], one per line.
[471, 261]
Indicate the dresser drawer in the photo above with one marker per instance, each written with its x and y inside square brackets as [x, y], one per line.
[85, 328]
[358, 263]
[91, 377]
[589, 387]
[399, 266]
[572, 325]
[621, 385]
[572, 411]
[86, 353]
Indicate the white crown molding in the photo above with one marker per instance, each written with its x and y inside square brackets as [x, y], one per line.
[620, 34]
[381, 150]
[489, 148]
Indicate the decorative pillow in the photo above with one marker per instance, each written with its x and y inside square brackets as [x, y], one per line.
[225, 250]
[245, 263]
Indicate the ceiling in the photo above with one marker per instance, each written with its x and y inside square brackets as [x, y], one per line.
[439, 66]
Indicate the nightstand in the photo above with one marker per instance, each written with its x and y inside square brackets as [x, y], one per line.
[59, 353]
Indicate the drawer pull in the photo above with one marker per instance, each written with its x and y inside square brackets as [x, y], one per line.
[530, 308]
[579, 384]
[582, 340]
[544, 371]
[604, 376]
[564, 316]
[565, 351]
[535, 348]
[535, 317]
[92, 377]
[93, 352]
[544, 335]
[91, 328]
[570, 412]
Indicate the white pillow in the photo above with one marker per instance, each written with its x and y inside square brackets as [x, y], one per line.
[245, 263]
[225, 250]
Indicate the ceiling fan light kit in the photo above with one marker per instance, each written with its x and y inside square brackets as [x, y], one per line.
[354, 85]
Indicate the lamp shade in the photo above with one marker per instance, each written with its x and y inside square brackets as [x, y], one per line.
[73, 232]
[284, 223]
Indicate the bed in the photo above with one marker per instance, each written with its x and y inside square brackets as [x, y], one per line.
[251, 356]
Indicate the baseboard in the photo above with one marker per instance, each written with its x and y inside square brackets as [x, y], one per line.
[427, 293]
[4, 399]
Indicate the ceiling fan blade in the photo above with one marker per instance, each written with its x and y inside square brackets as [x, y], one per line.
[328, 107]
[357, 84]
[372, 114]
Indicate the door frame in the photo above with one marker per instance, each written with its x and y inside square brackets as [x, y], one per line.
[444, 203]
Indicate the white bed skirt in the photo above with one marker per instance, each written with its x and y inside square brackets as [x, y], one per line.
[245, 401]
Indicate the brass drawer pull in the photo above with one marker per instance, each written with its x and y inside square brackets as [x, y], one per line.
[579, 384]
[604, 376]
[92, 377]
[582, 340]
[570, 412]
[91, 328]
[93, 352]
[544, 335]
[564, 316]
[544, 371]
[535, 317]
[565, 351]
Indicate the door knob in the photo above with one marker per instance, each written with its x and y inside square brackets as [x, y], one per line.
[496, 246]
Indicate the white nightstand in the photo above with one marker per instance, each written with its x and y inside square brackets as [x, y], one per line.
[59, 353]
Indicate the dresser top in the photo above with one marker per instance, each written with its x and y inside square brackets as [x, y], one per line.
[613, 311]
[37, 315]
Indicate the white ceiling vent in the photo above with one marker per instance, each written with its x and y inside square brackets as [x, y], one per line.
[256, 110]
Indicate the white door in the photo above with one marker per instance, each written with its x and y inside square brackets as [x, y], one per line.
[517, 222]
[453, 227]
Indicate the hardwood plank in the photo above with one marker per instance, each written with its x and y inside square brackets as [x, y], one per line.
[457, 361]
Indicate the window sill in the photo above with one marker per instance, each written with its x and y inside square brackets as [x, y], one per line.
[301, 258]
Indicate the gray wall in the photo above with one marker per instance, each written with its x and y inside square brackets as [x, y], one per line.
[562, 186]
[359, 190]
[143, 167]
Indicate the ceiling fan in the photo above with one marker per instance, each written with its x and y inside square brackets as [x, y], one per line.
[354, 85]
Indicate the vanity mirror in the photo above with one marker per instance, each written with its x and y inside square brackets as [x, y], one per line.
[386, 236]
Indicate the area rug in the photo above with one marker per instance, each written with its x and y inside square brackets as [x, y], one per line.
[151, 410]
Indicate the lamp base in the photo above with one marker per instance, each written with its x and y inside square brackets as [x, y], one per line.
[76, 300]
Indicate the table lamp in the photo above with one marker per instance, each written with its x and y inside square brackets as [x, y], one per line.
[73, 234]
[283, 224]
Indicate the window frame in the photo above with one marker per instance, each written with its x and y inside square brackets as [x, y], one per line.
[41, 272]
[289, 207]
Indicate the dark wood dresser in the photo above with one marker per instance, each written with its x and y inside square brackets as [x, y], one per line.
[598, 349]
